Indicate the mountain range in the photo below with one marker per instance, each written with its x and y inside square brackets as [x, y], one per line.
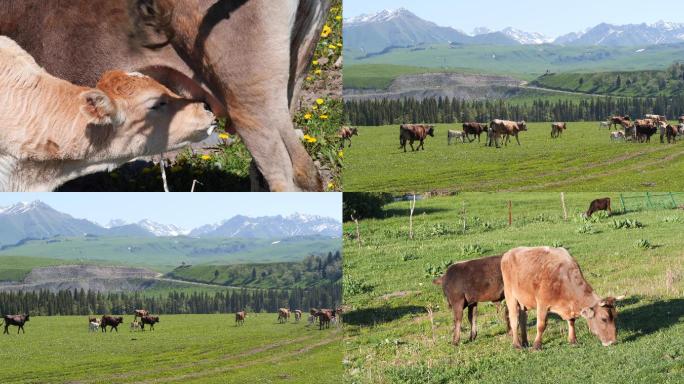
[37, 220]
[376, 33]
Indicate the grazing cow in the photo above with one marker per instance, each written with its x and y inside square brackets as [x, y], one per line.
[455, 135]
[298, 315]
[346, 133]
[249, 56]
[283, 315]
[605, 124]
[657, 117]
[549, 279]
[135, 325]
[17, 321]
[240, 318]
[671, 133]
[150, 320]
[467, 283]
[619, 120]
[414, 132]
[508, 129]
[112, 322]
[599, 205]
[681, 119]
[557, 129]
[93, 326]
[324, 319]
[141, 313]
[55, 131]
[645, 129]
[475, 129]
[312, 316]
[681, 129]
[617, 135]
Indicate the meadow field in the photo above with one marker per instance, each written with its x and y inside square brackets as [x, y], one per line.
[182, 348]
[584, 158]
[398, 328]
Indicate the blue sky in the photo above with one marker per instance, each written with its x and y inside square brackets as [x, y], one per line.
[187, 210]
[552, 18]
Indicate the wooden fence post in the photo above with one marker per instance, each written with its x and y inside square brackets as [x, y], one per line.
[412, 204]
[565, 212]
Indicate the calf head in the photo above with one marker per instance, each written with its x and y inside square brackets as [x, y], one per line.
[601, 320]
[133, 115]
[431, 130]
[355, 131]
[522, 125]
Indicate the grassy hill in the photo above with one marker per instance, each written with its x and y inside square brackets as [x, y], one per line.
[390, 337]
[164, 254]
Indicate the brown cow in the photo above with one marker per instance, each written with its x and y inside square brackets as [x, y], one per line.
[110, 321]
[557, 129]
[298, 315]
[141, 313]
[506, 128]
[467, 283]
[414, 132]
[16, 320]
[475, 129]
[621, 120]
[151, 320]
[250, 57]
[283, 315]
[671, 133]
[324, 319]
[346, 133]
[645, 128]
[599, 205]
[549, 279]
[240, 318]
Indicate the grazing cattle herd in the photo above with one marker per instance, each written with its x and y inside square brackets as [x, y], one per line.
[641, 130]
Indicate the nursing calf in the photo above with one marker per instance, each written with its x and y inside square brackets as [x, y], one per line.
[54, 131]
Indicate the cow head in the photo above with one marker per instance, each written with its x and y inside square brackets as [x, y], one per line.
[601, 319]
[522, 125]
[431, 130]
[355, 131]
[133, 115]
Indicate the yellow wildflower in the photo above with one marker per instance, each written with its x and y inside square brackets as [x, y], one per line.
[307, 116]
[315, 62]
[315, 107]
[206, 157]
[331, 185]
[339, 45]
[320, 101]
[340, 154]
[318, 71]
[324, 117]
[338, 17]
[309, 78]
[326, 31]
[224, 136]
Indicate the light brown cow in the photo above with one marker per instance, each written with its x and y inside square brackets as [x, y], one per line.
[346, 134]
[557, 129]
[298, 314]
[414, 132]
[657, 117]
[54, 131]
[240, 318]
[499, 128]
[467, 283]
[283, 315]
[140, 313]
[681, 119]
[251, 58]
[550, 280]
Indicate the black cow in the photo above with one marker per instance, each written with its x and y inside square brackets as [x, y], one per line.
[112, 322]
[17, 321]
[599, 205]
[151, 320]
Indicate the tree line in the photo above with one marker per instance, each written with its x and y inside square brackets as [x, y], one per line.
[81, 302]
[452, 110]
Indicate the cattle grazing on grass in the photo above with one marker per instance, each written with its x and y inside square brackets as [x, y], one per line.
[283, 315]
[671, 132]
[599, 205]
[414, 132]
[112, 322]
[455, 135]
[467, 283]
[55, 131]
[149, 320]
[346, 134]
[617, 136]
[645, 128]
[135, 326]
[15, 320]
[475, 129]
[620, 120]
[298, 315]
[324, 319]
[240, 318]
[557, 129]
[141, 313]
[312, 316]
[93, 326]
[550, 280]
[506, 128]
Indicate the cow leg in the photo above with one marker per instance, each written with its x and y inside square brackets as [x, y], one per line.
[523, 327]
[514, 316]
[22, 330]
[472, 318]
[457, 307]
[517, 139]
[6, 331]
[572, 338]
[411, 144]
[541, 326]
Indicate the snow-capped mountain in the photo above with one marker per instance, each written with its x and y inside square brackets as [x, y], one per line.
[162, 229]
[643, 34]
[272, 227]
[379, 17]
[526, 38]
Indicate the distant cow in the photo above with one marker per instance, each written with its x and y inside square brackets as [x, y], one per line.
[671, 133]
[283, 315]
[645, 128]
[619, 120]
[507, 128]
[17, 321]
[346, 133]
[604, 124]
[467, 283]
[549, 279]
[557, 129]
[312, 315]
[455, 135]
[414, 132]
[150, 320]
[112, 322]
[298, 314]
[617, 135]
[240, 318]
[93, 326]
[599, 205]
[135, 325]
[324, 319]
[141, 313]
[657, 117]
[475, 129]
[681, 119]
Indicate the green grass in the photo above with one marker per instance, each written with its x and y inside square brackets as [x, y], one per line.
[389, 337]
[584, 159]
[15, 268]
[376, 76]
[183, 348]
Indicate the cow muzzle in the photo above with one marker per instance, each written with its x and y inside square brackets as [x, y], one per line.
[212, 127]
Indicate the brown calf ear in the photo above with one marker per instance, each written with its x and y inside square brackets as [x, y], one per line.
[587, 313]
[99, 108]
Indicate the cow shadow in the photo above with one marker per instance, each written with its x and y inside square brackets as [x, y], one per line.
[650, 318]
[379, 315]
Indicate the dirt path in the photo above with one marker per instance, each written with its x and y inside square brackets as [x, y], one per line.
[161, 277]
[526, 85]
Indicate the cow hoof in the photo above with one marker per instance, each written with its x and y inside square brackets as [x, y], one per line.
[526, 344]
[537, 347]
[517, 346]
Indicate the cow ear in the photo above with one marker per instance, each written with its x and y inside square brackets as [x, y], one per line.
[620, 298]
[587, 313]
[100, 108]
